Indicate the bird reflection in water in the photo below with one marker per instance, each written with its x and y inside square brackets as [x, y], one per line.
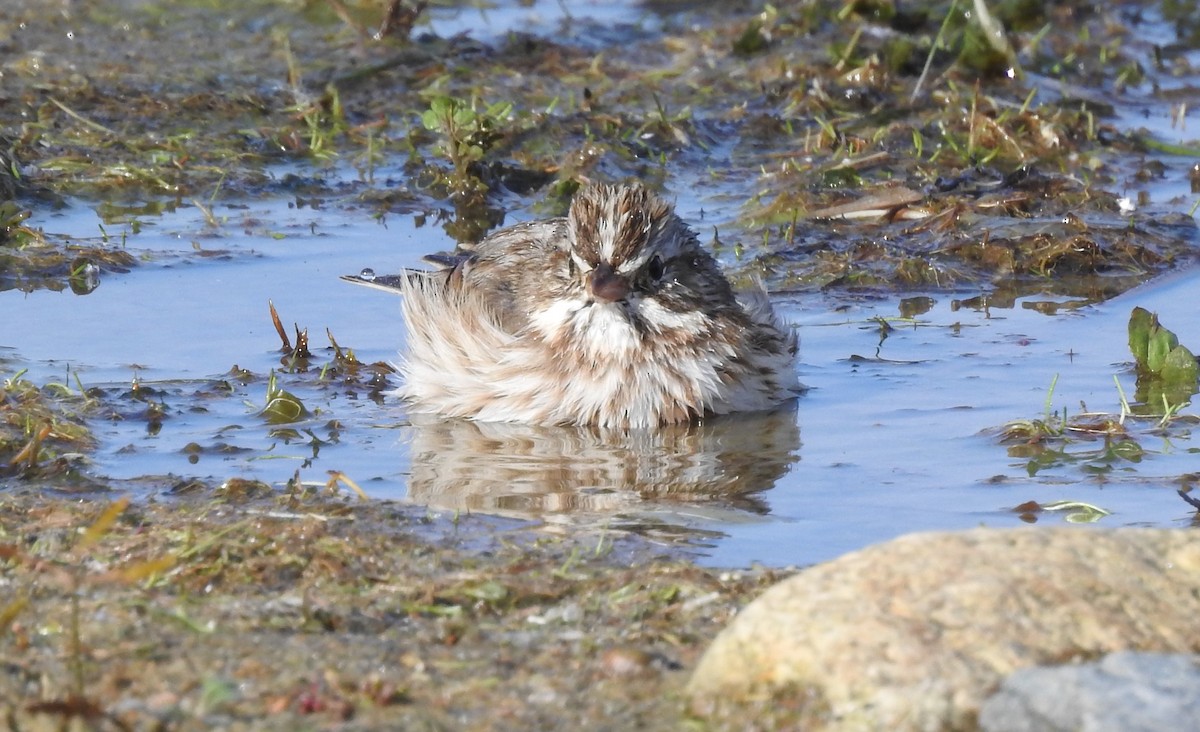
[529, 470]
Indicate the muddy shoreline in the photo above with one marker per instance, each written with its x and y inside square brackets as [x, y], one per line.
[267, 613]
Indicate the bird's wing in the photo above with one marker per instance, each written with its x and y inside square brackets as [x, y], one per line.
[449, 266]
[393, 284]
[491, 270]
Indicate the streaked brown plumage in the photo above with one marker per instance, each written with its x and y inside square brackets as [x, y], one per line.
[613, 316]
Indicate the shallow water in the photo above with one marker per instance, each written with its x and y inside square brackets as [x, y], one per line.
[895, 435]
[892, 437]
[541, 17]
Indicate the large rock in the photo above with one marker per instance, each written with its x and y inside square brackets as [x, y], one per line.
[1123, 692]
[915, 633]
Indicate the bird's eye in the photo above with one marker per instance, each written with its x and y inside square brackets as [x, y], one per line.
[656, 268]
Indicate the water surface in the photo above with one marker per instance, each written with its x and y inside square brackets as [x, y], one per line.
[895, 434]
[899, 431]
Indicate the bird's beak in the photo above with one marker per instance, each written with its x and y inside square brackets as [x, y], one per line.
[606, 285]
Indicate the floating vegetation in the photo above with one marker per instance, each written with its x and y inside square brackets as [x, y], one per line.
[1075, 512]
[30, 259]
[44, 432]
[1100, 443]
[282, 406]
[1167, 371]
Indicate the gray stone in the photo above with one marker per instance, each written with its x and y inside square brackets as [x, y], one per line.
[1123, 692]
[915, 633]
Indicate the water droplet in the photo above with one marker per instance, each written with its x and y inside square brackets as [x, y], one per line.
[367, 274]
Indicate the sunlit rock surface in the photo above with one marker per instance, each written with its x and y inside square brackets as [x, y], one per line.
[915, 633]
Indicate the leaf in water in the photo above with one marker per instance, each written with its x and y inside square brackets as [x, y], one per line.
[1080, 512]
[1167, 371]
[1162, 342]
[282, 406]
[1140, 322]
[1180, 367]
[1128, 450]
[1159, 397]
[1085, 517]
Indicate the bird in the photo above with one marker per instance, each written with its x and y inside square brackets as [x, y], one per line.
[613, 316]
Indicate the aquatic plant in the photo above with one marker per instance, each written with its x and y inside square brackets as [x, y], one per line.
[1167, 371]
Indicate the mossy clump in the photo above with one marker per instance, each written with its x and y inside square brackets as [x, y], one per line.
[44, 433]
